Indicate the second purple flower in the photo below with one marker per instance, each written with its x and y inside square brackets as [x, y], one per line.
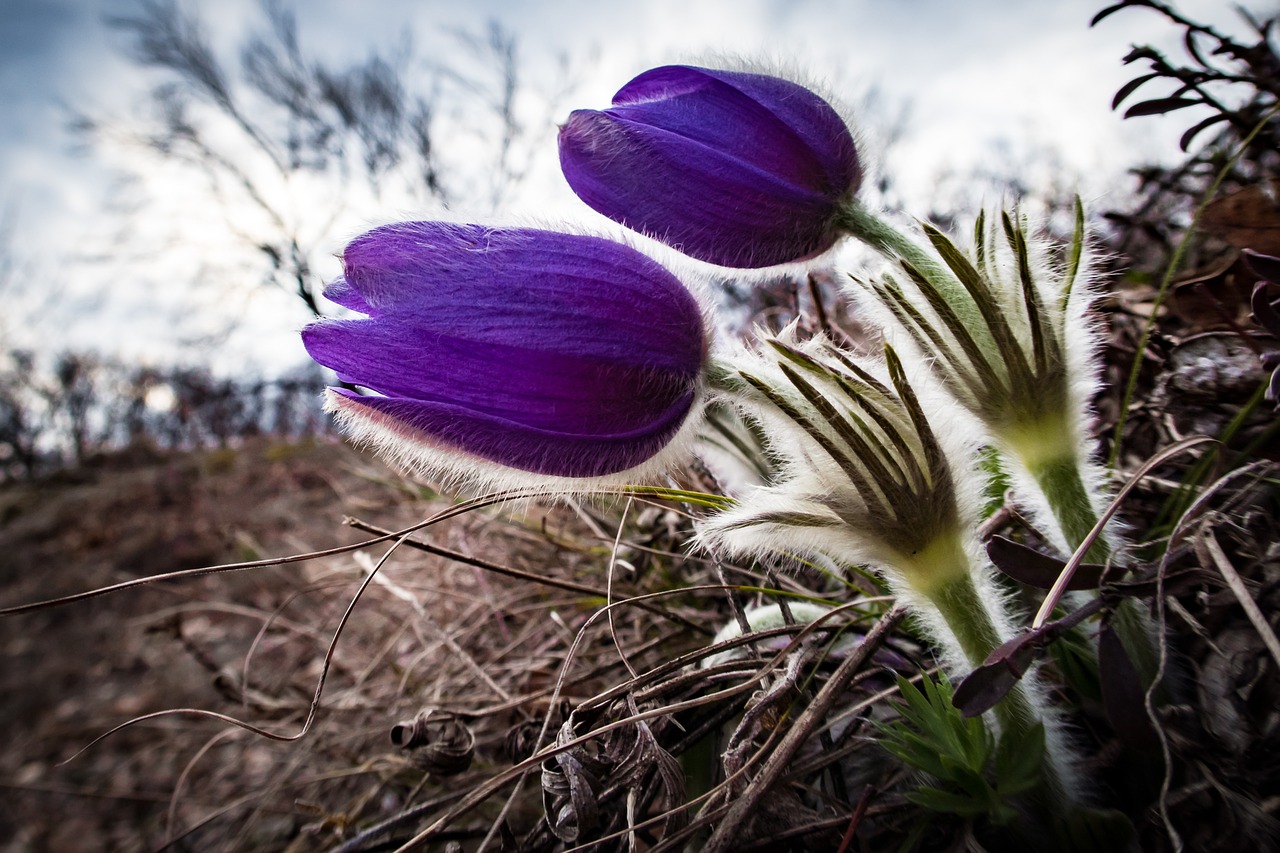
[740, 170]
[562, 355]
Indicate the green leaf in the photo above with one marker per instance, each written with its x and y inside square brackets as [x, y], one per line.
[917, 710]
[972, 782]
[866, 446]
[977, 740]
[979, 239]
[973, 776]
[935, 459]
[1041, 334]
[1076, 659]
[958, 376]
[848, 465]
[957, 744]
[944, 801]
[785, 519]
[968, 743]
[916, 752]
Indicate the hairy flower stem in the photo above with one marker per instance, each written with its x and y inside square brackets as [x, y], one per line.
[970, 618]
[1046, 447]
[966, 614]
[861, 224]
[1060, 481]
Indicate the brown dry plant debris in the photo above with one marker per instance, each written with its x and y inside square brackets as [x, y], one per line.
[503, 659]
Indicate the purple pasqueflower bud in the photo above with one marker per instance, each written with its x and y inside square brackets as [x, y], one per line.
[562, 355]
[740, 170]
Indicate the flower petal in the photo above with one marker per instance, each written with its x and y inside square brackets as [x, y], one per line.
[559, 354]
[741, 170]
[538, 388]
[1263, 266]
[795, 135]
[514, 444]
[340, 292]
[692, 198]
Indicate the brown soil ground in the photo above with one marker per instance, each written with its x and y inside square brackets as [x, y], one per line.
[70, 673]
[438, 633]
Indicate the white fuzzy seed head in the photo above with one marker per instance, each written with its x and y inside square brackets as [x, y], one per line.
[869, 470]
[1027, 370]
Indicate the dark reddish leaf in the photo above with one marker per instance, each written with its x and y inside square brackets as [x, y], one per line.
[1185, 142]
[1123, 695]
[986, 685]
[1127, 89]
[1029, 566]
[1158, 106]
[1263, 266]
[1264, 310]
[1106, 13]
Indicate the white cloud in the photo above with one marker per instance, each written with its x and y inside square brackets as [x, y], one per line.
[1032, 74]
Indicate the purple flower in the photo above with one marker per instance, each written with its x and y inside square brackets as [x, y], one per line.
[561, 355]
[741, 170]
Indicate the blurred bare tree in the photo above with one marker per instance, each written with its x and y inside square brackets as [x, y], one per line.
[289, 144]
[63, 410]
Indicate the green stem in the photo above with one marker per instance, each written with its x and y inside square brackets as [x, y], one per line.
[943, 575]
[864, 225]
[967, 616]
[1063, 487]
[1134, 629]
[1060, 482]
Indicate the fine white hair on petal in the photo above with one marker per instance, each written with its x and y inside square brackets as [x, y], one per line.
[454, 470]
[787, 67]
[421, 456]
[696, 276]
[784, 68]
[763, 526]
[1000, 606]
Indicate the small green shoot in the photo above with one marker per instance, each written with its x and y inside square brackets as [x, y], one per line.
[973, 775]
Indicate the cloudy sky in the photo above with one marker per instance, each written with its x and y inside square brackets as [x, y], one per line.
[982, 84]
